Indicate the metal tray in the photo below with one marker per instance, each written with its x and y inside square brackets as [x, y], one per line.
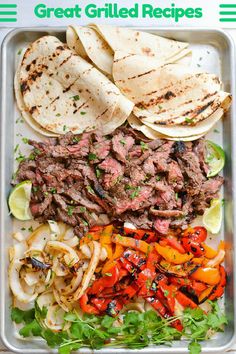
[213, 51]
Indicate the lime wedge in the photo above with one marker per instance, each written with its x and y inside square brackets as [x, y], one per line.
[215, 158]
[212, 217]
[19, 200]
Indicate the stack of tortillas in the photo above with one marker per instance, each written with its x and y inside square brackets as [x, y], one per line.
[170, 99]
[58, 91]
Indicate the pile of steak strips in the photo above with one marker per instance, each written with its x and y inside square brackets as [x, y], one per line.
[93, 179]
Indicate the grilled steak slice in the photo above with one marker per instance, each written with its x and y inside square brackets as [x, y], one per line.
[123, 176]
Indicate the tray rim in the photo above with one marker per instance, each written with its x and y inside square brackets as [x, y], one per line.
[149, 350]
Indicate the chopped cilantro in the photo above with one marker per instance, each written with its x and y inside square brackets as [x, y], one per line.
[189, 120]
[53, 190]
[13, 176]
[92, 157]
[20, 157]
[70, 210]
[85, 222]
[160, 107]
[16, 148]
[83, 113]
[90, 189]
[35, 188]
[19, 51]
[135, 193]
[216, 131]
[30, 229]
[176, 196]
[76, 97]
[76, 139]
[82, 209]
[19, 120]
[143, 146]
[158, 178]
[25, 140]
[166, 292]
[64, 128]
[58, 114]
[123, 142]
[98, 172]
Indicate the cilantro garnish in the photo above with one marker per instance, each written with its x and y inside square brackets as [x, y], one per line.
[92, 157]
[137, 331]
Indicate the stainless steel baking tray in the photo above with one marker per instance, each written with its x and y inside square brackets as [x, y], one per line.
[213, 51]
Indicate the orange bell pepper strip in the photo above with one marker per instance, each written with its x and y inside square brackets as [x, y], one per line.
[109, 250]
[107, 266]
[199, 260]
[90, 236]
[218, 291]
[210, 276]
[172, 255]
[132, 243]
[105, 237]
[205, 294]
[209, 252]
[119, 250]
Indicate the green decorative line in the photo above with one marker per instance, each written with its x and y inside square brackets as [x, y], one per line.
[8, 13]
[227, 5]
[227, 12]
[8, 6]
[8, 19]
[228, 19]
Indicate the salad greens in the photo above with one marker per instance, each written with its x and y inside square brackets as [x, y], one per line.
[135, 331]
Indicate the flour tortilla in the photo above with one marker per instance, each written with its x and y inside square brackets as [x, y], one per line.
[169, 94]
[63, 92]
[89, 44]
[27, 117]
[184, 131]
[99, 42]
[135, 123]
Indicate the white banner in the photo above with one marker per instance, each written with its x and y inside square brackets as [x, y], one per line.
[194, 13]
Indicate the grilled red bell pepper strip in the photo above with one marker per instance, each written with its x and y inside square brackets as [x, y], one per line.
[127, 265]
[157, 305]
[135, 259]
[197, 233]
[193, 247]
[152, 259]
[139, 234]
[100, 303]
[196, 287]
[130, 291]
[85, 307]
[172, 241]
[114, 307]
[179, 281]
[107, 281]
[160, 308]
[169, 294]
[192, 240]
[184, 300]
